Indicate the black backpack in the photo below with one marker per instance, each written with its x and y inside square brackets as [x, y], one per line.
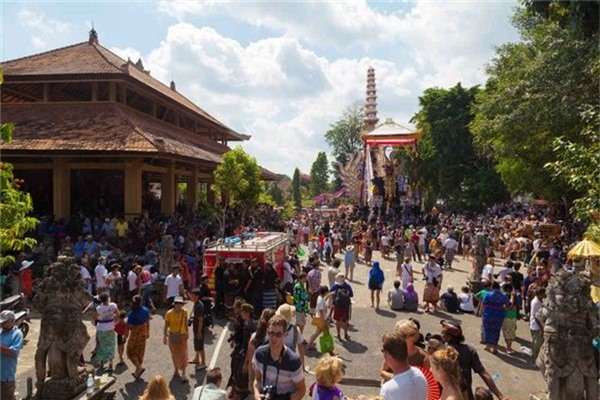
[342, 297]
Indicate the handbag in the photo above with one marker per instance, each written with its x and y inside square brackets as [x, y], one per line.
[177, 338]
[318, 322]
[326, 343]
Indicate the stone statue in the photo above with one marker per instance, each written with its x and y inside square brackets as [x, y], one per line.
[166, 254]
[60, 299]
[567, 359]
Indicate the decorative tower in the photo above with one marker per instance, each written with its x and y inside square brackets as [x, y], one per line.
[371, 104]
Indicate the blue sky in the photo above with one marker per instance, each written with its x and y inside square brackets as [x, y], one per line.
[282, 71]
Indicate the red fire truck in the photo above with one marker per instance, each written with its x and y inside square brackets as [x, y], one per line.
[261, 246]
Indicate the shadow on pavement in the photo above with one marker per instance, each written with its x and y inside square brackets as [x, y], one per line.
[385, 313]
[354, 347]
[519, 360]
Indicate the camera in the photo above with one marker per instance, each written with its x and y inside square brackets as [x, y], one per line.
[269, 392]
[190, 321]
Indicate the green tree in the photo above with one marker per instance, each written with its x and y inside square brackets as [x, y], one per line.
[319, 175]
[15, 207]
[343, 137]
[237, 179]
[296, 193]
[535, 93]
[579, 165]
[449, 167]
[275, 193]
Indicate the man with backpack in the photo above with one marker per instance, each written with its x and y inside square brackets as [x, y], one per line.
[342, 294]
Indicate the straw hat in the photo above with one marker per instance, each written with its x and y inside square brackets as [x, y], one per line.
[287, 311]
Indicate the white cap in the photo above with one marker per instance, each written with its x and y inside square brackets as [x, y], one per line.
[7, 315]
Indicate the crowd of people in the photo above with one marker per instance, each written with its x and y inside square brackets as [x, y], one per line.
[270, 306]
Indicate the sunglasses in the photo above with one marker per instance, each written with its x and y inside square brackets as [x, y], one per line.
[278, 335]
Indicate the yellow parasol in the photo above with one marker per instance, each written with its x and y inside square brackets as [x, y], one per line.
[585, 249]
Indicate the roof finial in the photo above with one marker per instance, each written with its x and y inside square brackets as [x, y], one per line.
[173, 85]
[93, 35]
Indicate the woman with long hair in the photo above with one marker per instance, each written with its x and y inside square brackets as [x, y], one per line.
[417, 357]
[137, 332]
[446, 370]
[157, 389]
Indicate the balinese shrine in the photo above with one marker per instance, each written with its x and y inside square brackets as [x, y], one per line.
[96, 132]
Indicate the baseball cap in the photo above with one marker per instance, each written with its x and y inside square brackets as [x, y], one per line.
[7, 315]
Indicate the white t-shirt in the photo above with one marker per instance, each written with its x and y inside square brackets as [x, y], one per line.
[405, 270]
[101, 273]
[466, 302]
[173, 283]
[132, 280]
[87, 278]
[503, 273]
[106, 317]
[536, 305]
[408, 385]
[488, 272]
[321, 307]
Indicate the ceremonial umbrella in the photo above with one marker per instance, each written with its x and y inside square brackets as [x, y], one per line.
[585, 249]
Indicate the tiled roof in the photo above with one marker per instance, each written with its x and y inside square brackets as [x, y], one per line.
[92, 58]
[101, 127]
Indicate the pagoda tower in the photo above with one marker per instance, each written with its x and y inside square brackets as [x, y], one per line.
[371, 103]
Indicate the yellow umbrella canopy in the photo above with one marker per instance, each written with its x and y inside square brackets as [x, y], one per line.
[584, 249]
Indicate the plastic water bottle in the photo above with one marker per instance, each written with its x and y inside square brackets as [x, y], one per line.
[90, 384]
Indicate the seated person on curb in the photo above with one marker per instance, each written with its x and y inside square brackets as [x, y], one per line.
[449, 300]
[396, 297]
[277, 369]
[466, 300]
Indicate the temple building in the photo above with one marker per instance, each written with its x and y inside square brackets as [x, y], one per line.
[94, 132]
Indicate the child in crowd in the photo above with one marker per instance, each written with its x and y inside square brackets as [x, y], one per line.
[328, 372]
[120, 331]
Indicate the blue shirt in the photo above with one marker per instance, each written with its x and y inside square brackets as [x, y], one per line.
[13, 339]
[138, 317]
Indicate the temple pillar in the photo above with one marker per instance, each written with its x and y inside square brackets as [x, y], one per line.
[61, 189]
[192, 190]
[167, 190]
[133, 189]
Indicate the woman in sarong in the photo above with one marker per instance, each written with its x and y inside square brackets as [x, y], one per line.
[494, 303]
[138, 331]
[105, 331]
[176, 336]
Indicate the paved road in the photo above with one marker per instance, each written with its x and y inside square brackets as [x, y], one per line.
[514, 374]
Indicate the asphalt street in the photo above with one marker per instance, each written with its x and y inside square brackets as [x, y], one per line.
[514, 374]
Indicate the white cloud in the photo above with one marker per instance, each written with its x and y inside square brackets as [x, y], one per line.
[127, 53]
[38, 42]
[40, 23]
[282, 93]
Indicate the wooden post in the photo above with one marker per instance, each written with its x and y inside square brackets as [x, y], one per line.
[46, 95]
[133, 188]
[210, 194]
[112, 91]
[94, 91]
[192, 190]
[167, 190]
[61, 189]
